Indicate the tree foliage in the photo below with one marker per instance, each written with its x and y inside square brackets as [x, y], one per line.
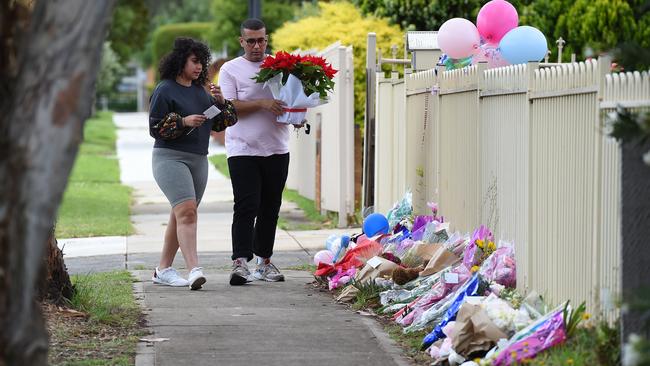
[179, 11]
[420, 14]
[340, 21]
[589, 27]
[228, 16]
[129, 28]
[634, 54]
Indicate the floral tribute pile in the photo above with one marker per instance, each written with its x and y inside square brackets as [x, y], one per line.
[459, 289]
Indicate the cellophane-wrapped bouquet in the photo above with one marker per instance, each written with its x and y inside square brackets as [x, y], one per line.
[301, 82]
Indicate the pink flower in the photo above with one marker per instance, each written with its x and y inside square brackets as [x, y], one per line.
[341, 278]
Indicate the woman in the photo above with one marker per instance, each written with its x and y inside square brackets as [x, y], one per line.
[180, 164]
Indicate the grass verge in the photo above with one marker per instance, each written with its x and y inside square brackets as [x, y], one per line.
[593, 345]
[95, 203]
[302, 267]
[410, 342]
[220, 162]
[313, 220]
[104, 326]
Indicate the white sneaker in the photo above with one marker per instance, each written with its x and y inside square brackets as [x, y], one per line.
[196, 278]
[267, 271]
[168, 276]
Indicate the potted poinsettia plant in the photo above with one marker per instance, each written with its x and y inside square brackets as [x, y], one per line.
[301, 82]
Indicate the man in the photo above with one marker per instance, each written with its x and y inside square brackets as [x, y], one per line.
[258, 158]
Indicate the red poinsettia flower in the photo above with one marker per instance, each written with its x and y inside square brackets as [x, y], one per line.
[314, 72]
[268, 62]
[318, 61]
[329, 71]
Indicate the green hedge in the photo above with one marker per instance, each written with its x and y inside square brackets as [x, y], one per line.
[163, 37]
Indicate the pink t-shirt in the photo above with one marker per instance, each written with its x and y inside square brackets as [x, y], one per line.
[257, 134]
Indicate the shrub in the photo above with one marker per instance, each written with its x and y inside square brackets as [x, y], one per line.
[163, 37]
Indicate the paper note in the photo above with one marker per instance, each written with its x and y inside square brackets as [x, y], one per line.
[212, 112]
[451, 278]
[374, 262]
[474, 300]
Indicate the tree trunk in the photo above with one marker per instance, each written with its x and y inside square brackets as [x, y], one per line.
[635, 228]
[56, 287]
[48, 68]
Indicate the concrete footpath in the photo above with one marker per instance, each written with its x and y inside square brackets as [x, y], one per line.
[289, 323]
[284, 323]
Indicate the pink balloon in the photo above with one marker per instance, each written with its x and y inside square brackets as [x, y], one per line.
[458, 38]
[324, 256]
[495, 19]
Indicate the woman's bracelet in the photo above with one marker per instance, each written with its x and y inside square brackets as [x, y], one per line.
[183, 121]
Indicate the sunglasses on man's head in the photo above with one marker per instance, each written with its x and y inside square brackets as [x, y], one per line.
[252, 41]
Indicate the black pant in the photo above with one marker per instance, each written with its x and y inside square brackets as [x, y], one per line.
[257, 184]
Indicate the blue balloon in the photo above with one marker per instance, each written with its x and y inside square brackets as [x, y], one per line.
[523, 44]
[374, 224]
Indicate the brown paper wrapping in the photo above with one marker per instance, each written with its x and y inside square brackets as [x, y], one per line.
[474, 331]
[426, 251]
[440, 260]
[367, 273]
[348, 294]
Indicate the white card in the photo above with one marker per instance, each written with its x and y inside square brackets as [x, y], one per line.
[212, 112]
[474, 300]
[374, 262]
[451, 278]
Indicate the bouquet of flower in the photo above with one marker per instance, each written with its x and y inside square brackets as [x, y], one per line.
[301, 82]
[481, 246]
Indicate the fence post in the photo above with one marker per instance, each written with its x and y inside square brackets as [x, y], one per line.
[522, 276]
[480, 81]
[368, 198]
[603, 70]
[436, 121]
[604, 65]
[346, 142]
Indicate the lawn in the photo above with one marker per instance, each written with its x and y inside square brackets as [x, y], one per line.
[313, 218]
[103, 325]
[95, 203]
[220, 162]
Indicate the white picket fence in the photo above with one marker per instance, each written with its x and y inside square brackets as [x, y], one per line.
[322, 163]
[521, 149]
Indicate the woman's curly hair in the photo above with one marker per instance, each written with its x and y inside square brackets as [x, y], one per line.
[173, 63]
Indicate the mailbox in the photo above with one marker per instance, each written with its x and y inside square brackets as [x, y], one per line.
[424, 49]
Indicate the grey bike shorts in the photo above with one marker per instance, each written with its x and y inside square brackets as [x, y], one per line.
[181, 175]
